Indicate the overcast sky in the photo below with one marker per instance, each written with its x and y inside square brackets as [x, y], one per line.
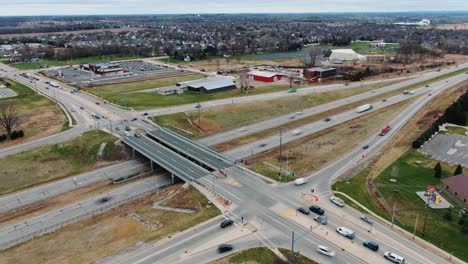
[92, 7]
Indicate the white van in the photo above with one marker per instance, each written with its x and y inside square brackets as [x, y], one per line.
[300, 181]
[394, 257]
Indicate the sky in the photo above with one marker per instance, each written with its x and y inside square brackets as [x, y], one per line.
[122, 7]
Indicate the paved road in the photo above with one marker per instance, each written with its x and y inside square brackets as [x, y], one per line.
[284, 119]
[311, 128]
[50, 221]
[46, 191]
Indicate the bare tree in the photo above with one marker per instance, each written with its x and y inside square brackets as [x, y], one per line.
[311, 58]
[244, 82]
[9, 117]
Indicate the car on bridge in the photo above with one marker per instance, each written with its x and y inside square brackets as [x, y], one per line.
[348, 233]
[394, 257]
[226, 223]
[316, 209]
[325, 251]
[337, 201]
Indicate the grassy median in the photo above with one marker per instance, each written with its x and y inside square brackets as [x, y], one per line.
[52, 162]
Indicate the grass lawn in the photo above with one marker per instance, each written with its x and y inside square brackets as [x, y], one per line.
[55, 161]
[50, 63]
[259, 256]
[39, 116]
[456, 130]
[228, 117]
[112, 232]
[310, 153]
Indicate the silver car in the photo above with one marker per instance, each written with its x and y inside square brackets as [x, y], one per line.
[337, 201]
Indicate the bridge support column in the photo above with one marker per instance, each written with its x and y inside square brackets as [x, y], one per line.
[172, 175]
[133, 151]
[151, 162]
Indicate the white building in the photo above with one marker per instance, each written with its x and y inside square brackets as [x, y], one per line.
[339, 55]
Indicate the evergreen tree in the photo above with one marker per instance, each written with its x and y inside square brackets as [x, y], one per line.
[438, 170]
[448, 214]
[458, 170]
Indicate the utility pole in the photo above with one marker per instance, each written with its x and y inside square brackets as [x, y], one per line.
[280, 152]
[252, 160]
[393, 215]
[110, 123]
[425, 220]
[415, 225]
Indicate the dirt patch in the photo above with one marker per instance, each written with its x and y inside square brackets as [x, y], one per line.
[206, 125]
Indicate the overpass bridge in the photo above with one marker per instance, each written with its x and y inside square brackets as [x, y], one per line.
[182, 157]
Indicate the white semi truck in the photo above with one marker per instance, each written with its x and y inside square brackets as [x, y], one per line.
[363, 108]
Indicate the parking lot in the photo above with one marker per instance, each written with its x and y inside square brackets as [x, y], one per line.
[133, 71]
[449, 148]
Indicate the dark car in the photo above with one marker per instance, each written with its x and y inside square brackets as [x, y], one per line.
[134, 119]
[144, 114]
[98, 103]
[137, 135]
[81, 107]
[316, 209]
[365, 147]
[327, 119]
[303, 210]
[371, 245]
[226, 223]
[262, 145]
[224, 248]
[321, 219]
[128, 128]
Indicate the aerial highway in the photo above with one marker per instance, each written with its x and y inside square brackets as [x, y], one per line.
[46, 191]
[25, 230]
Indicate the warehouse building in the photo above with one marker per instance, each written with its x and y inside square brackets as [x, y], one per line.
[264, 76]
[319, 73]
[103, 68]
[210, 85]
[339, 55]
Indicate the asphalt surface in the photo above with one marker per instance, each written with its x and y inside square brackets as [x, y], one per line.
[46, 191]
[287, 136]
[50, 221]
[448, 148]
[169, 160]
[197, 151]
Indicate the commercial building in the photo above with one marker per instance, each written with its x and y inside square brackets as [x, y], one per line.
[339, 55]
[319, 73]
[458, 186]
[103, 68]
[264, 76]
[172, 90]
[209, 85]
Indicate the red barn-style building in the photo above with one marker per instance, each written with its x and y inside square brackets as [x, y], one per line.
[320, 73]
[263, 76]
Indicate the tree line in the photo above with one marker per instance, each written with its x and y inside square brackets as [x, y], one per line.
[454, 114]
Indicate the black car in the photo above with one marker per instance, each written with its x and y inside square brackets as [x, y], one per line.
[327, 119]
[144, 114]
[316, 209]
[224, 248]
[128, 128]
[371, 245]
[303, 210]
[81, 107]
[226, 223]
[98, 103]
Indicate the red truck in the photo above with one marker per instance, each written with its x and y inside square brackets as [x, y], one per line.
[385, 130]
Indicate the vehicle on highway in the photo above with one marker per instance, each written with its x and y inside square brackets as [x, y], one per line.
[97, 117]
[373, 91]
[54, 84]
[384, 130]
[292, 117]
[325, 251]
[134, 119]
[137, 135]
[117, 129]
[303, 210]
[316, 209]
[224, 248]
[394, 257]
[242, 129]
[300, 181]
[291, 90]
[299, 113]
[262, 145]
[337, 201]
[367, 219]
[128, 128]
[321, 219]
[409, 92]
[81, 107]
[98, 103]
[73, 110]
[365, 147]
[127, 134]
[371, 245]
[327, 119]
[384, 100]
[429, 94]
[363, 108]
[296, 132]
[144, 114]
[427, 85]
[348, 233]
[226, 223]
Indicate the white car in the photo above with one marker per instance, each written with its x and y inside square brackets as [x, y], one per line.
[296, 132]
[300, 181]
[127, 133]
[299, 113]
[394, 257]
[337, 201]
[325, 251]
[345, 232]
